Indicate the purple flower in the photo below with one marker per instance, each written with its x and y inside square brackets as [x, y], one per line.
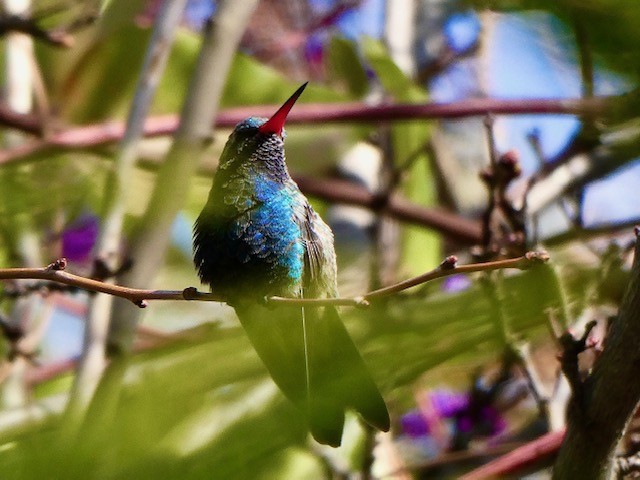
[414, 424]
[448, 404]
[79, 238]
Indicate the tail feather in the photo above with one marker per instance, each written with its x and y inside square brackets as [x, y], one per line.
[338, 371]
[319, 370]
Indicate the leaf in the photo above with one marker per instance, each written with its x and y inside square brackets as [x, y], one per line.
[345, 67]
[394, 81]
[422, 248]
[116, 14]
[252, 83]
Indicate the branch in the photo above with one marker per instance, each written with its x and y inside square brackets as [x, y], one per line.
[26, 122]
[55, 273]
[533, 453]
[571, 348]
[117, 192]
[323, 113]
[396, 206]
[307, 114]
[28, 26]
[449, 267]
[609, 396]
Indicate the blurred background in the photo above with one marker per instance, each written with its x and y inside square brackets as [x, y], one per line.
[108, 152]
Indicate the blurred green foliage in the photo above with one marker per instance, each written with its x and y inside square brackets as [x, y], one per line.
[408, 140]
[203, 406]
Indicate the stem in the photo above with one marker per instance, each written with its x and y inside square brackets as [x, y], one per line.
[22, 239]
[149, 244]
[93, 358]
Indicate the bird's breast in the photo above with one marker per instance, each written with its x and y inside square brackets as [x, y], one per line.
[259, 248]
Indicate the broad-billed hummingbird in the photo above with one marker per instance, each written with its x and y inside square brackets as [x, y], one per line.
[258, 237]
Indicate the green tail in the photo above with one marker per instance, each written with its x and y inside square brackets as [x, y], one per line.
[319, 370]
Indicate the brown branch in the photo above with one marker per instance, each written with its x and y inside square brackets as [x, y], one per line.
[28, 26]
[336, 190]
[449, 267]
[55, 273]
[343, 191]
[571, 348]
[610, 394]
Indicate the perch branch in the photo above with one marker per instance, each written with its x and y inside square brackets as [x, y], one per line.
[55, 273]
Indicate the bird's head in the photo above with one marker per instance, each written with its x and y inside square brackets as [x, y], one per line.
[259, 137]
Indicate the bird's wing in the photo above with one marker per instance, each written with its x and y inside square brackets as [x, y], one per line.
[308, 351]
[337, 375]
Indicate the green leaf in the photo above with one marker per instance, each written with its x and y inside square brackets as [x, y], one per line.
[345, 67]
[394, 81]
[116, 14]
[252, 83]
[422, 248]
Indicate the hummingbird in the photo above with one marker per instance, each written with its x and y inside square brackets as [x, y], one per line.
[256, 237]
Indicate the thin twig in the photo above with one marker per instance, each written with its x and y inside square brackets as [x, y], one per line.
[55, 273]
[448, 267]
[489, 121]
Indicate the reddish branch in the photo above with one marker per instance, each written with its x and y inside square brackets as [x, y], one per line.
[324, 113]
[343, 191]
[540, 450]
[319, 113]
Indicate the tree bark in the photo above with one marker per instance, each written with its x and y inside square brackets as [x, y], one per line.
[599, 411]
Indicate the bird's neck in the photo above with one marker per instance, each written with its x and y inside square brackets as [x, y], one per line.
[269, 167]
